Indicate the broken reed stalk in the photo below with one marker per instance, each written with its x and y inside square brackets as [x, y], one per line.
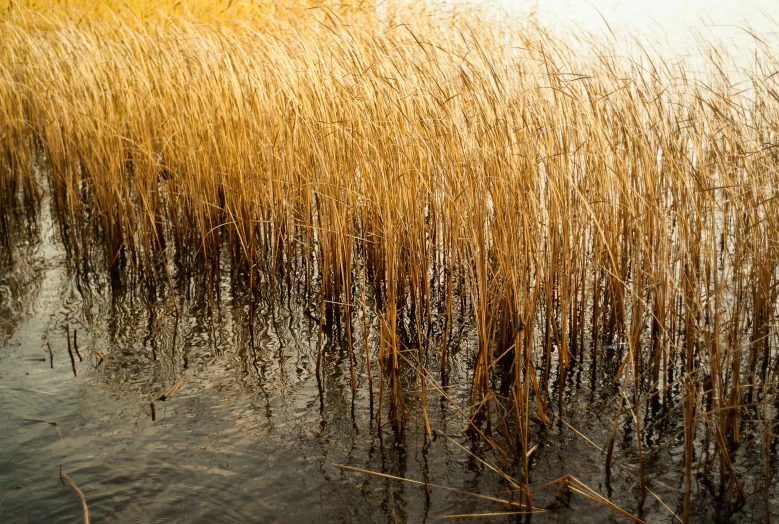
[27, 390]
[75, 344]
[690, 404]
[55, 424]
[478, 515]
[569, 482]
[365, 333]
[64, 476]
[70, 352]
[438, 486]
[320, 334]
[172, 391]
[624, 469]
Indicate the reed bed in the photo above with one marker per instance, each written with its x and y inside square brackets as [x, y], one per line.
[575, 196]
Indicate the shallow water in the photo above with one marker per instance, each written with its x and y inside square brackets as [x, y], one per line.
[252, 435]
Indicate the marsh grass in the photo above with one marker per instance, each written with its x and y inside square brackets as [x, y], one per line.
[396, 165]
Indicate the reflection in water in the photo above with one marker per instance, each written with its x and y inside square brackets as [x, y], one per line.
[252, 434]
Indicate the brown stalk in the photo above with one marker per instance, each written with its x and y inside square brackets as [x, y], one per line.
[55, 424]
[99, 356]
[64, 476]
[172, 391]
[75, 343]
[70, 352]
[421, 483]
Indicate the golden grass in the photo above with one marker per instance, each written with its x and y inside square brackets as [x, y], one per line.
[563, 190]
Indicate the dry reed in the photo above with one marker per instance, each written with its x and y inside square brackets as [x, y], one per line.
[64, 477]
[569, 198]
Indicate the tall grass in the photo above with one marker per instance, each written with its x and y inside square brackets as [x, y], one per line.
[571, 196]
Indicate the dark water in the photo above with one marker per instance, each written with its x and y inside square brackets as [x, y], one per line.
[252, 436]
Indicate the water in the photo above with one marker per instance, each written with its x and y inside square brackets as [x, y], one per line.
[252, 435]
[247, 437]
